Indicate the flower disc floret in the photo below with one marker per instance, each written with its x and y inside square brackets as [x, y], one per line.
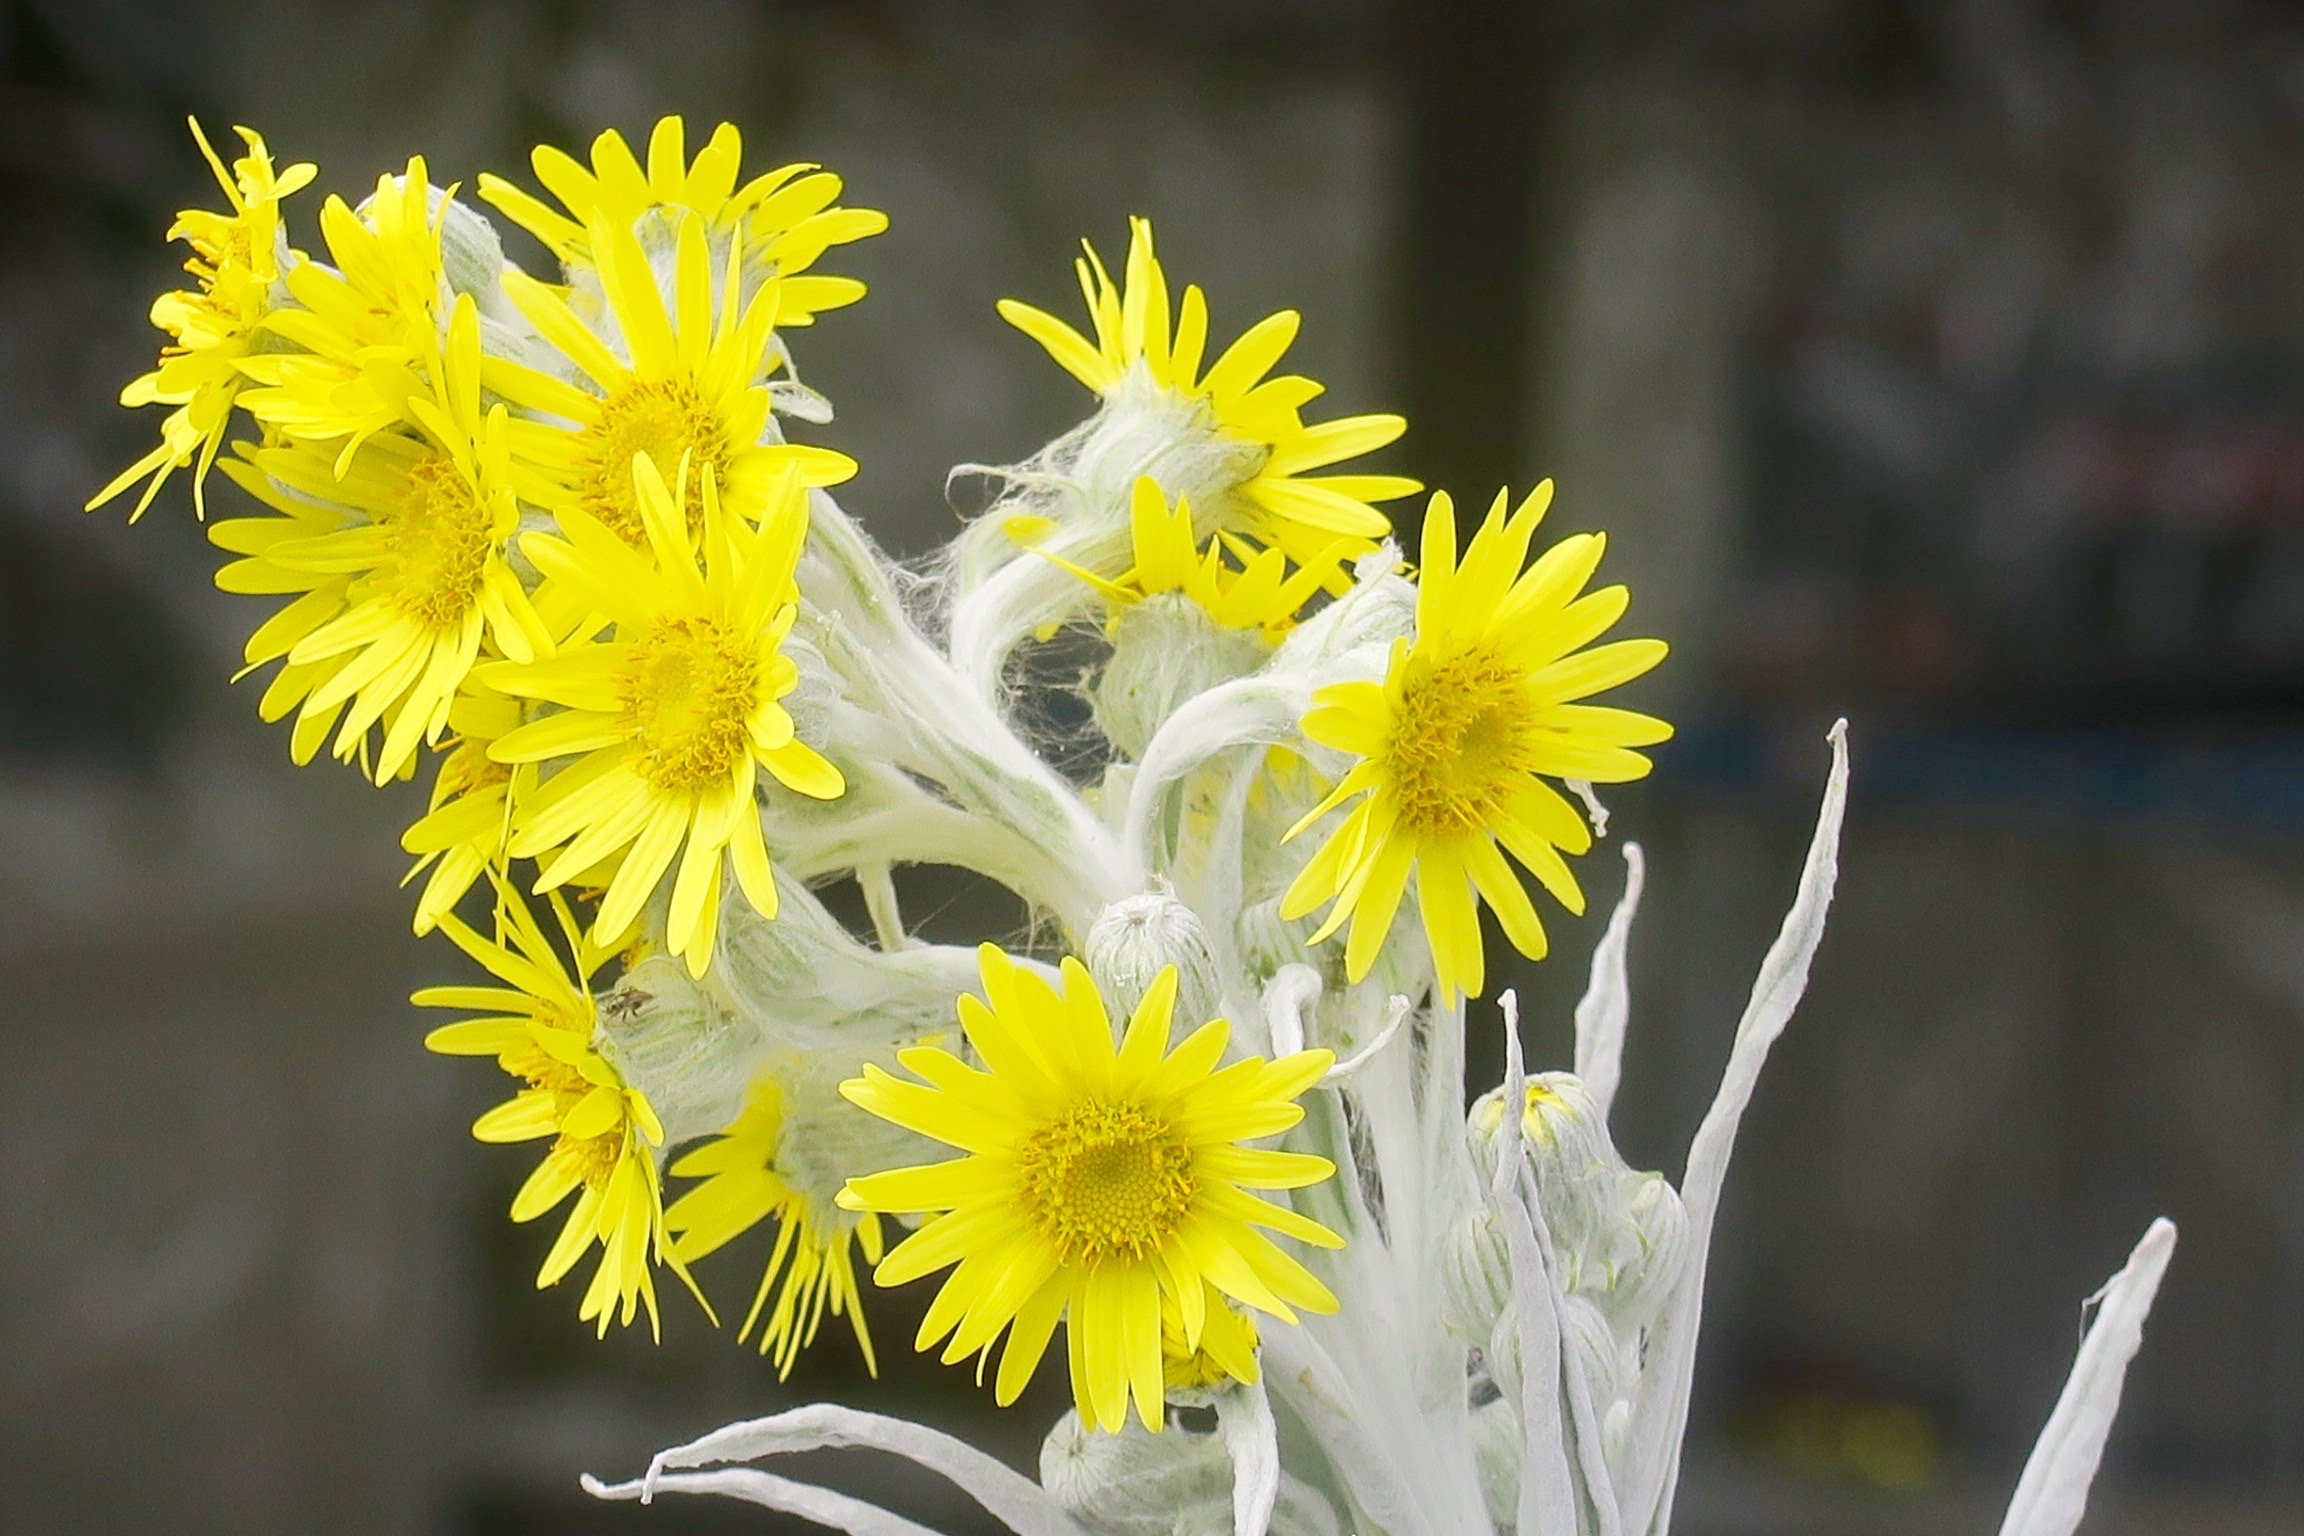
[1105, 1181]
[689, 688]
[1453, 748]
[436, 543]
[670, 420]
[1107, 1189]
[1463, 743]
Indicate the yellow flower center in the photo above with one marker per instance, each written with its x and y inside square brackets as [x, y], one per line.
[1458, 744]
[1105, 1181]
[438, 541]
[539, 1068]
[469, 769]
[663, 418]
[1191, 1369]
[689, 690]
[222, 244]
[595, 1157]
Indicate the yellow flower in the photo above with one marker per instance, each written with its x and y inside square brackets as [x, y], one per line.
[1136, 335]
[810, 1270]
[1258, 594]
[672, 717]
[369, 326]
[787, 217]
[465, 831]
[1098, 1185]
[236, 259]
[1453, 742]
[400, 560]
[1226, 1351]
[681, 382]
[539, 1027]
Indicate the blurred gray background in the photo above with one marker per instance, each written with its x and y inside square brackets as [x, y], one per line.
[1941, 364]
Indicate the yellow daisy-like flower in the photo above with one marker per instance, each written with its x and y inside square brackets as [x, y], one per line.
[788, 217]
[680, 381]
[467, 828]
[1099, 1185]
[1280, 507]
[539, 1025]
[811, 1270]
[1226, 1351]
[369, 326]
[1258, 594]
[671, 718]
[1455, 743]
[236, 259]
[401, 563]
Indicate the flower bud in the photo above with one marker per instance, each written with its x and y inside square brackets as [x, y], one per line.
[1503, 1355]
[1644, 1277]
[1497, 1449]
[1174, 1483]
[823, 1141]
[1608, 1361]
[1166, 650]
[1618, 1234]
[1352, 635]
[1269, 941]
[1136, 1481]
[1134, 940]
[1476, 1276]
[472, 257]
[692, 1057]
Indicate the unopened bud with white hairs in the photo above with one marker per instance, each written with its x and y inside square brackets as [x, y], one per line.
[1134, 939]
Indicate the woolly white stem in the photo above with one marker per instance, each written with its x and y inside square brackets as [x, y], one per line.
[895, 821]
[983, 763]
[1250, 710]
[879, 888]
[1019, 597]
[1367, 1465]
[1288, 996]
[1396, 1013]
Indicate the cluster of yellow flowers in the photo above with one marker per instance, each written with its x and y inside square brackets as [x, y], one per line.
[550, 536]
